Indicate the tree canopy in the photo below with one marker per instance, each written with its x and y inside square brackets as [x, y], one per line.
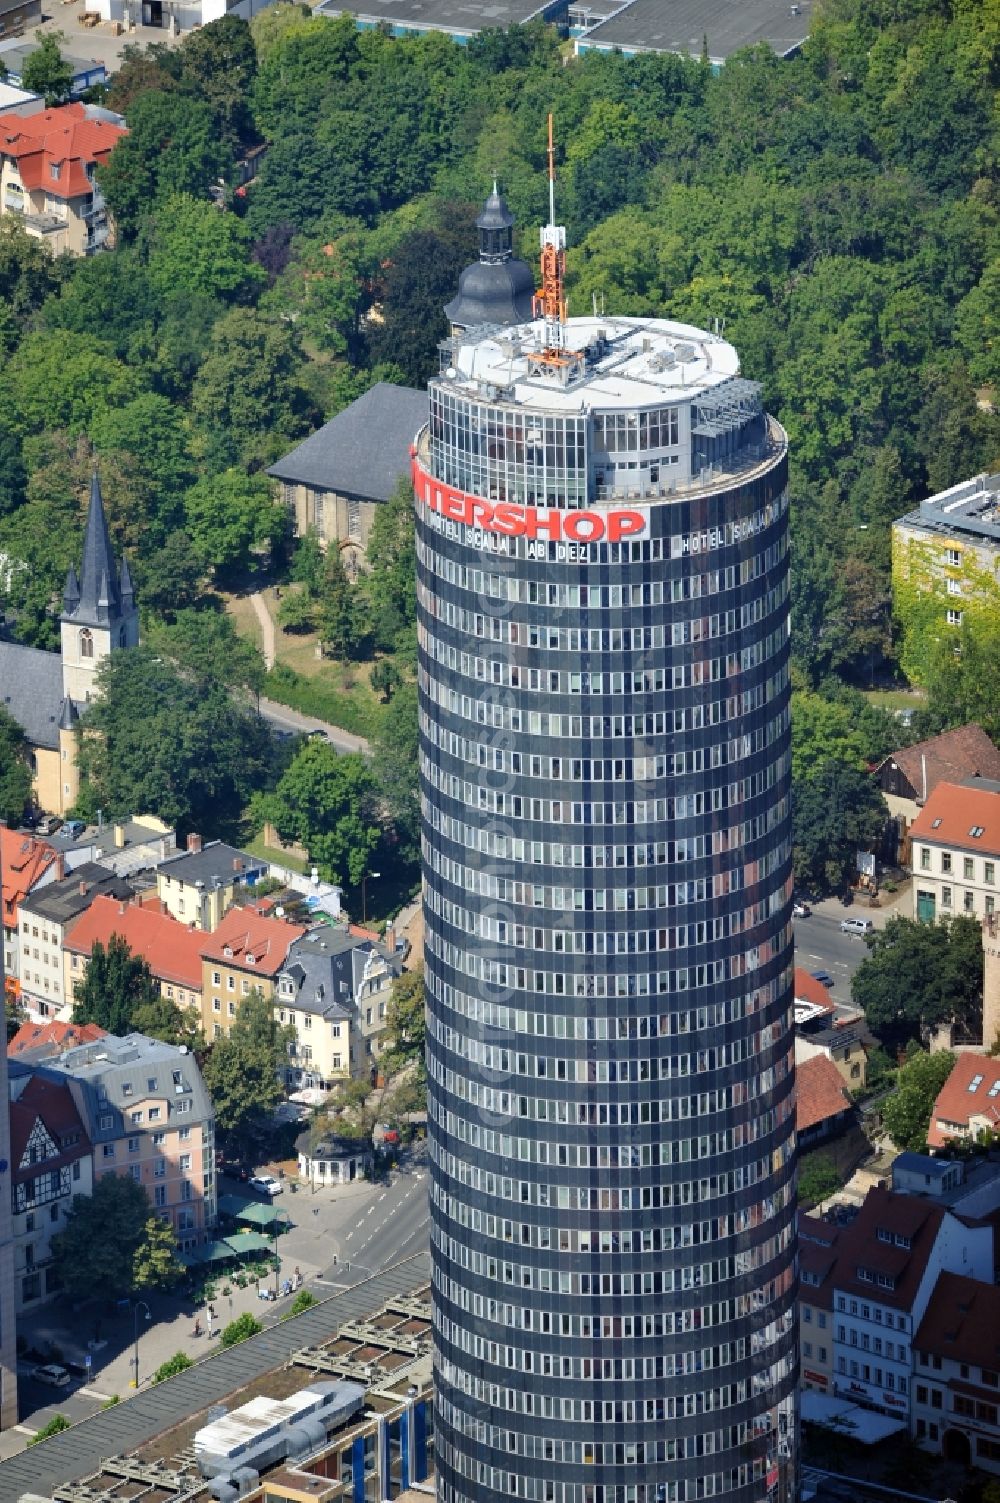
[245, 1070]
[918, 975]
[906, 1112]
[326, 800]
[112, 1243]
[836, 812]
[115, 985]
[15, 772]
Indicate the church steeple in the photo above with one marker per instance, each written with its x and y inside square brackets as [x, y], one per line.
[99, 611]
[99, 594]
[498, 288]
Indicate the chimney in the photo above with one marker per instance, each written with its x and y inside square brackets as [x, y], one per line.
[194, 844]
[237, 863]
[390, 938]
[60, 866]
[119, 836]
[923, 776]
[121, 908]
[83, 888]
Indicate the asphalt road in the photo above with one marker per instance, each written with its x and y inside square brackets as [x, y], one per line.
[382, 1231]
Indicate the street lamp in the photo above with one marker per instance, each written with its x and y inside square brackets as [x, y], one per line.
[279, 1218]
[364, 903]
[139, 1304]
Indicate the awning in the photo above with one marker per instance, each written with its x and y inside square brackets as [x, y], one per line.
[848, 1419]
[216, 1252]
[248, 1242]
[261, 1215]
[235, 1205]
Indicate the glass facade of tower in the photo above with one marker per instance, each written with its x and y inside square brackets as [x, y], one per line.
[605, 783]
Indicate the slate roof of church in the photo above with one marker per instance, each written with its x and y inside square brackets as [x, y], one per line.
[364, 451]
[31, 689]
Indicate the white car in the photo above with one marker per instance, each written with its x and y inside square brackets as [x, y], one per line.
[266, 1184]
[52, 1375]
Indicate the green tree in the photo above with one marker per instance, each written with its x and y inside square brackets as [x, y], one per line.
[240, 1329]
[395, 768]
[162, 1018]
[245, 1070]
[206, 645]
[385, 679]
[15, 773]
[406, 1022]
[178, 1363]
[61, 380]
[46, 71]
[296, 612]
[172, 147]
[229, 516]
[821, 730]
[54, 1426]
[392, 558]
[155, 1264]
[94, 1254]
[421, 279]
[171, 742]
[919, 975]
[818, 1178]
[340, 622]
[170, 578]
[220, 67]
[326, 800]
[114, 985]
[191, 247]
[906, 1113]
[248, 400]
[835, 813]
[302, 1302]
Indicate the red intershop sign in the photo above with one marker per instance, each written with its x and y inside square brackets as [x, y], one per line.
[515, 521]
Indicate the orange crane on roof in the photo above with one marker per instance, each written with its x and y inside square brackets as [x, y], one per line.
[549, 302]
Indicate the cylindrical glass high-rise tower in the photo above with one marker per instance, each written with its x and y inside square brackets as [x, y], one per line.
[605, 777]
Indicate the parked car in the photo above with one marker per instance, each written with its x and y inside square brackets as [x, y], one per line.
[266, 1184]
[800, 909]
[49, 825]
[857, 926]
[52, 1375]
[822, 976]
[73, 829]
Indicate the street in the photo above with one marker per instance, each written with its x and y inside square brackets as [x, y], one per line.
[820, 945]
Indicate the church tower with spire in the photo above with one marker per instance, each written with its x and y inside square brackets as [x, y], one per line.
[99, 610]
[498, 288]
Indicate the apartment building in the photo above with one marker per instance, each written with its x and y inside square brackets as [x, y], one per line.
[47, 914]
[956, 1373]
[47, 176]
[817, 1263]
[147, 1113]
[171, 950]
[968, 1104]
[51, 1161]
[246, 952]
[199, 886]
[334, 990]
[955, 849]
[25, 864]
[888, 1262]
[909, 776]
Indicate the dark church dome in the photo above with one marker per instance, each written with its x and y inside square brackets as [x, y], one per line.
[498, 288]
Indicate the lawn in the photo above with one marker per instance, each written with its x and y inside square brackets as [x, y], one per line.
[897, 699]
[256, 847]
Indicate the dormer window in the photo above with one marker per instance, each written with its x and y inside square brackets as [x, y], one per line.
[227, 951]
[55, 171]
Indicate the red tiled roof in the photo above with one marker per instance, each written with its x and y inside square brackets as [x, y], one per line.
[957, 1102]
[905, 1216]
[62, 139]
[820, 1092]
[244, 933]
[966, 752]
[52, 1101]
[962, 1321]
[53, 1038]
[170, 949]
[953, 811]
[808, 989]
[23, 859]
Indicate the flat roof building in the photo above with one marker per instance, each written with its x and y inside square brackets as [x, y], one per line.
[460, 19]
[689, 26]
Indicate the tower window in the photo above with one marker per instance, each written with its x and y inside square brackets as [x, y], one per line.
[86, 644]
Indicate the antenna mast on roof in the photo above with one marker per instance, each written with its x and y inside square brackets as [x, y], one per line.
[550, 301]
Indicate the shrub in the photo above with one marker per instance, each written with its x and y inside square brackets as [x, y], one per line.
[56, 1423]
[173, 1365]
[241, 1329]
[302, 1301]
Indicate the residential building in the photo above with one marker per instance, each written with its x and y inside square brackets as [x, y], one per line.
[8, 1297]
[334, 990]
[18, 101]
[37, 1041]
[813, 1001]
[245, 952]
[45, 691]
[968, 1104]
[25, 863]
[888, 1262]
[955, 845]
[602, 621]
[956, 1373]
[945, 558]
[199, 886]
[823, 1106]
[909, 776]
[47, 177]
[147, 1113]
[919, 1174]
[171, 950]
[128, 847]
[46, 917]
[334, 481]
[497, 289]
[817, 1261]
[326, 1160]
[844, 1045]
[51, 1161]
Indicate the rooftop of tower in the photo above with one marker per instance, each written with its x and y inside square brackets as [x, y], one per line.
[620, 363]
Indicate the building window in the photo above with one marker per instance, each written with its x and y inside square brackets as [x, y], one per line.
[954, 618]
[160, 1195]
[954, 557]
[954, 587]
[969, 901]
[946, 897]
[968, 870]
[216, 978]
[946, 861]
[925, 859]
[109, 1150]
[133, 1145]
[989, 873]
[86, 643]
